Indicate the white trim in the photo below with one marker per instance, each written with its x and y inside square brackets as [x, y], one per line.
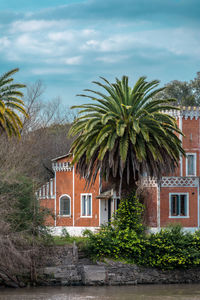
[73, 231]
[99, 200]
[99, 212]
[51, 187]
[73, 180]
[55, 200]
[181, 139]
[198, 206]
[181, 165]
[195, 163]
[185, 229]
[180, 127]
[44, 191]
[179, 217]
[61, 215]
[47, 190]
[62, 156]
[158, 206]
[40, 193]
[86, 194]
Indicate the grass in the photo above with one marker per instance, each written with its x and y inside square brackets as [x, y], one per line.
[66, 240]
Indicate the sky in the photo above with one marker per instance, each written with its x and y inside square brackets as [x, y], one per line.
[67, 44]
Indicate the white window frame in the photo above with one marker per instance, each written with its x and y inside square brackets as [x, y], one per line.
[40, 193]
[179, 217]
[86, 194]
[44, 191]
[195, 164]
[47, 190]
[51, 188]
[65, 195]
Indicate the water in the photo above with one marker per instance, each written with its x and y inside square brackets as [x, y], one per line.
[140, 292]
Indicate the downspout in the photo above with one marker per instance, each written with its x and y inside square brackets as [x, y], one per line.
[198, 202]
[73, 195]
[198, 174]
[181, 138]
[55, 200]
[158, 206]
[99, 200]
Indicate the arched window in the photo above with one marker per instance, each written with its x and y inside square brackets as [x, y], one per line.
[65, 205]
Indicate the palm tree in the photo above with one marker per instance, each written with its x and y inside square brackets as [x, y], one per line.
[125, 133]
[11, 105]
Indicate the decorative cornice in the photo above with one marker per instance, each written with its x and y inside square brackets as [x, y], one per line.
[185, 112]
[171, 182]
[149, 182]
[173, 112]
[191, 112]
[65, 166]
[179, 181]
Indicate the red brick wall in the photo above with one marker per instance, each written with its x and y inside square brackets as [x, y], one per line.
[192, 221]
[64, 185]
[80, 188]
[150, 202]
[191, 130]
[48, 203]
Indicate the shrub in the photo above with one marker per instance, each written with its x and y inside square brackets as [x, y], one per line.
[125, 239]
[171, 248]
[65, 234]
[24, 213]
[129, 215]
[121, 237]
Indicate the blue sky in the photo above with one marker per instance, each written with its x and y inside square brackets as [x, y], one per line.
[69, 43]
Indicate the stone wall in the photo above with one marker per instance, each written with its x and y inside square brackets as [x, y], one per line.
[65, 268]
[61, 266]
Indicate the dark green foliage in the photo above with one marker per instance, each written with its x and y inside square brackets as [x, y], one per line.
[124, 133]
[11, 105]
[120, 238]
[185, 93]
[25, 213]
[125, 239]
[171, 248]
[129, 215]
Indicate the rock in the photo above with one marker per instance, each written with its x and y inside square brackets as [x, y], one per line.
[93, 275]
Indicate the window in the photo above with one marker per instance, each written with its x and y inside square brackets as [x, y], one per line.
[191, 164]
[65, 205]
[44, 191]
[86, 205]
[51, 187]
[47, 190]
[178, 205]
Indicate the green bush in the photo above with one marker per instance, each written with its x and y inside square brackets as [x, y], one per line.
[129, 215]
[24, 214]
[171, 248]
[125, 239]
[122, 237]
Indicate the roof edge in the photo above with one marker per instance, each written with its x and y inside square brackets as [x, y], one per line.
[62, 156]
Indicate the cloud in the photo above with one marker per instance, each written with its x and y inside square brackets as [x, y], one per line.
[75, 60]
[35, 25]
[112, 58]
[50, 71]
[90, 38]
[4, 43]
[126, 10]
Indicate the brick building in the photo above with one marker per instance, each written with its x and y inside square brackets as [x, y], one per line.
[174, 200]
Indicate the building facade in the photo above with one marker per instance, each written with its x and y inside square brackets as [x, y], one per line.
[175, 199]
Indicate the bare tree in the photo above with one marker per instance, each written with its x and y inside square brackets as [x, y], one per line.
[44, 136]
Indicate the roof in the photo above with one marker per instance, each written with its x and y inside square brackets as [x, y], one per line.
[62, 156]
[105, 195]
